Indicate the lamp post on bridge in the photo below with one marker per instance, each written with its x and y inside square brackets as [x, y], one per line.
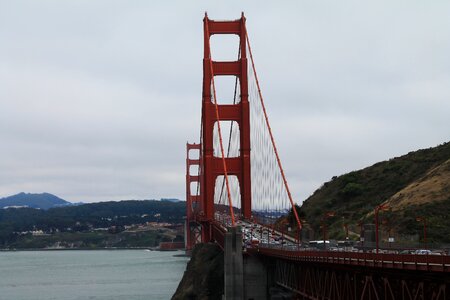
[326, 215]
[299, 234]
[386, 223]
[377, 209]
[283, 224]
[345, 225]
[361, 235]
[424, 221]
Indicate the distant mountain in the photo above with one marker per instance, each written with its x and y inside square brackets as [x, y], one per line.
[41, 201]
[173, 200]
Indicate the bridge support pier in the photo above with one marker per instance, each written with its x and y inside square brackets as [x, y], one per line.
[255, 278]
[233, 265]
[245, 277]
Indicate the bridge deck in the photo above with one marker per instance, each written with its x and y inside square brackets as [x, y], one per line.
[433, 263]
[430, 263]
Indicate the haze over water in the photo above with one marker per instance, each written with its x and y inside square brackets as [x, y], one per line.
[93, 275]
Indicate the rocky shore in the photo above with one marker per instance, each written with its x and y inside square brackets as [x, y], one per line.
[203, 278]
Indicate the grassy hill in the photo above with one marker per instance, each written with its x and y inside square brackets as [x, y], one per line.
[81, 221]
[415, 184]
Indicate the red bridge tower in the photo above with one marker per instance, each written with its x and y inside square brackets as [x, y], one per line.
[211, 113]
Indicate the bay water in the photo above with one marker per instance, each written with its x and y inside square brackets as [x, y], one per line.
[90, 275]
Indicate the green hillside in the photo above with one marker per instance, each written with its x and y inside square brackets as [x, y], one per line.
[416, 184]
[81, 222]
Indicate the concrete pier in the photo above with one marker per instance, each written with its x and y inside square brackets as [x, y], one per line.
[233, 265]
[255, 279]
[245, 277]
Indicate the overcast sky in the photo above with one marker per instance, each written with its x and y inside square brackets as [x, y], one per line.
[98, 98]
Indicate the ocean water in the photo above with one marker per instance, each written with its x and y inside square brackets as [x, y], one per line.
[90, 275]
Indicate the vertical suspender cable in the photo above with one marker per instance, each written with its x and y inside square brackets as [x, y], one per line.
[299, 224]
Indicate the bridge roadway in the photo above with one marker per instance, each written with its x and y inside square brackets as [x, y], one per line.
[259, 233]
[433, 263]
[318, 274]
[276, 244]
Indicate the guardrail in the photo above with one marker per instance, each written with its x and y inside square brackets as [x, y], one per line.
[434, 263]
[218, 233]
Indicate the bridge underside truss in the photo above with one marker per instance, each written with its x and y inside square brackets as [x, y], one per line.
[319, 281]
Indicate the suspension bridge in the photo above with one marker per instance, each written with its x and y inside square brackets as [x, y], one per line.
[237, 191]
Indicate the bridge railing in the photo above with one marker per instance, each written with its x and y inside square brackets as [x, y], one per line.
[218, 233]
[440, 263]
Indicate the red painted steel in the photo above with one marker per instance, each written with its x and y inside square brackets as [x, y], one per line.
[325, 216]
[192, 200]
[219, 128]
[377, 209]
[211, 113]
[218, 234]
[318, 281]
[434, 263]
[310, 274]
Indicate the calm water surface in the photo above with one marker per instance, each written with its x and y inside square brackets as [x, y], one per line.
[77, 275]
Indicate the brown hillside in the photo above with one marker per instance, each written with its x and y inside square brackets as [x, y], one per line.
[415, 184]
[433, 187]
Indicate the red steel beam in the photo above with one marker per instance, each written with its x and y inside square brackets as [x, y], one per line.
[432, 263]
[213, 166]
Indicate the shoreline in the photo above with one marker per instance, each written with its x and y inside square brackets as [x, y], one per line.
[89, 249]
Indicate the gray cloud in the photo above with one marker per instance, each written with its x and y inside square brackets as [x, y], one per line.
[97, 98]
